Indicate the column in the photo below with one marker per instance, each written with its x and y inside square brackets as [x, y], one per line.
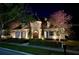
[40, 33]
[31, 33]
[27, 31]
[45, 34]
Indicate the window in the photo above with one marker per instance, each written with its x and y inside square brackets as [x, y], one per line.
[23, 34]
[17, 34]
[51, 33]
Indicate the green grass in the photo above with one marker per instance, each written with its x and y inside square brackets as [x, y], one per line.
[47, 43]
[36, 51]
[72, 43]
[51, 43]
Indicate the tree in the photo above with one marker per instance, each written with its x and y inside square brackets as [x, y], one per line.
[12, 12]
[61, 21]
[16, 11]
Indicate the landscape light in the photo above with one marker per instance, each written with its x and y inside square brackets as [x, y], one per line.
[54, 37]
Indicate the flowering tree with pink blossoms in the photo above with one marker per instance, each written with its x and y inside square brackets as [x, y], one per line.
[61, 20]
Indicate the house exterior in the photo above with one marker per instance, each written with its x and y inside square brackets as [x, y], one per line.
[36, 31]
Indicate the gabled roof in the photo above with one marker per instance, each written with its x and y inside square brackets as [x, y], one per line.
[14, 24]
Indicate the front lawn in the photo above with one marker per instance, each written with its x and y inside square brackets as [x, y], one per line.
[36, 51]
[71, 44]
[47, 43]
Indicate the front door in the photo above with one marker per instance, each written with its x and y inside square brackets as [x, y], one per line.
[35, 34]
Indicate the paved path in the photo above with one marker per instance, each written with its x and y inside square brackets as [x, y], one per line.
[5, 51]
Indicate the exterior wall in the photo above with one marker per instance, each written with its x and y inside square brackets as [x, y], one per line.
[54, 30]
[13, 33]
[46, 34]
